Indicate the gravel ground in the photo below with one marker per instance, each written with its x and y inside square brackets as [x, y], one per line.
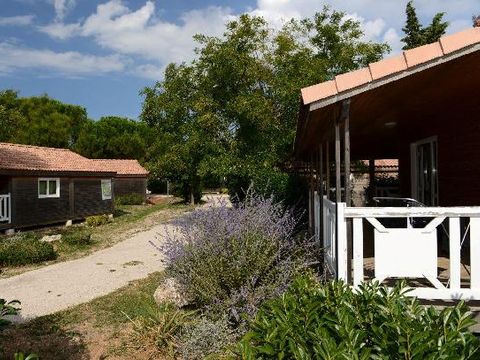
[59, 286]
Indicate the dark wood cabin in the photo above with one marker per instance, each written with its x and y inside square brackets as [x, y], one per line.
[421, 107]
[130, 178]
[40, 186]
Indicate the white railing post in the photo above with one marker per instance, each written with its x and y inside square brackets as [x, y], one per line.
[455, 266]
[475, 253]
[357, 251]
[5, 208]
[342, 256]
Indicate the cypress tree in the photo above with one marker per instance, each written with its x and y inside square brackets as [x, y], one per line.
[416, 34]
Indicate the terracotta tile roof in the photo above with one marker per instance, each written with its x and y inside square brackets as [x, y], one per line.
[44, 159]
[392, 66]
[121, 167]
[384, 163]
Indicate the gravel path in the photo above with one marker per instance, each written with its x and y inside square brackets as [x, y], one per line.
[59, 286]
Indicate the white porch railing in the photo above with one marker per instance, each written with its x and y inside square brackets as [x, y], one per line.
[5, 208]
[405, 252]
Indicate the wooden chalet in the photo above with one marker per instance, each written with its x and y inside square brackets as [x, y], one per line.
[421, 107]
[41, 185]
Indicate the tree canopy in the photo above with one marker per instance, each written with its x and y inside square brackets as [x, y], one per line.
[417, 35]
[39, 120]
[232, 112]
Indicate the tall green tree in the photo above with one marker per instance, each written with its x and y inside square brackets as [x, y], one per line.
[40, 120]
[232, 112]
[417, 35]
[115, 138]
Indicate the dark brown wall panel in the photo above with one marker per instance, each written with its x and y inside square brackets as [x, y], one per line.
[88, 198]
[124, 186]
[28, 209]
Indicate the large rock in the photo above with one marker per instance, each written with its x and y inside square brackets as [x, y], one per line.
[170, 291]
[51, 238]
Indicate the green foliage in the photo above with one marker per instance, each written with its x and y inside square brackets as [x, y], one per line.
[417, 35]
[97, 220]
[232, 112]
[21, 356]
[130, 199]
[25, 249]
[8, 309]
[77, 236]
[332, 321]
[114, 138]
[39, 120]
[160, 327]
[204, 338]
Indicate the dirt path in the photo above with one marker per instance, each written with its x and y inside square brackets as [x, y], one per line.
[59, 286]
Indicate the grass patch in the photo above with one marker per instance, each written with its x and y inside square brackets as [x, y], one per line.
[95, 330]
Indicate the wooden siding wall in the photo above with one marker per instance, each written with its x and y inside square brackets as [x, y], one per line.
[88, 198]
[4, 185]
[28, 209]
[124, 186]
[79, 197]
[458, 131]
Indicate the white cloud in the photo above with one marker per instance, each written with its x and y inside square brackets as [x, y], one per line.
[13, 57]
[60, 30]
[23, 20]
[63, 7]
[143, 35]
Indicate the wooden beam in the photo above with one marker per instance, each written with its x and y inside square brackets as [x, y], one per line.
[327, 169]
[346, 117]
[338, 164]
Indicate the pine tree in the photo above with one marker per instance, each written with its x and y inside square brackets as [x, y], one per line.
[416, 34]
[476, 20]
[413, 29]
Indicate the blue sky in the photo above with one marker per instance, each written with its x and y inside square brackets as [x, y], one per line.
[100, 54]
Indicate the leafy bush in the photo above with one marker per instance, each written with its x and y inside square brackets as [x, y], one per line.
[22, 249]
[8, 309]
[233, 258]
[77, 236]
[205, 338]
[97, 220]
[332, 321]
[130, 199]
[160, 327]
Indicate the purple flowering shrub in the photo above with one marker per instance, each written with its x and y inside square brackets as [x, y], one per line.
[233, 258]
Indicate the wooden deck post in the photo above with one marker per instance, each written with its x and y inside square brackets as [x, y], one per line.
[338, 164]
[327, 169]
[346, 116]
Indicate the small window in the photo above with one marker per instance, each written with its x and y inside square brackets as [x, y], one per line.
[49, 188]
[106, 189]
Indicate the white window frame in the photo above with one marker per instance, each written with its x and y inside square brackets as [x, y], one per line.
[109, 181]
[44, 196]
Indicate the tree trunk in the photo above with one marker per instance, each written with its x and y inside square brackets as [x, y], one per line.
[192, 197]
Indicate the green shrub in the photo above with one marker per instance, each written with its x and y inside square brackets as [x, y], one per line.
[25, 249]
[77, 236]
[129, 199]
[205, 338]
[8, 309]
[231, 259]
[332, 321]
[97, 220]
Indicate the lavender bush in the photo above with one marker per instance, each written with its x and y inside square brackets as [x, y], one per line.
[233, 258]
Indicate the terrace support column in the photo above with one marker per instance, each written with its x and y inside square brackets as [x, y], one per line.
[338, 163]
[327, 169]
[320, 192]
[346, 117]
[371, 180]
